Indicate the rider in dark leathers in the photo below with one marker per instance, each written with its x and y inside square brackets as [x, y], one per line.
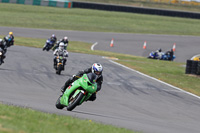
[50, 42]
[64, 40]
[53, 39]
[171, 54]
[97, 69]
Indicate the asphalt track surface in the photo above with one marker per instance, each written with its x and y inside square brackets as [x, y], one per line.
[127, 99]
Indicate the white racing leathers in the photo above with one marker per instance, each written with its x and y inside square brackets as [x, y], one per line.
[59, 52]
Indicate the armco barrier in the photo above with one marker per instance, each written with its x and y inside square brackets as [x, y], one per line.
[119, 8]
[53, 3]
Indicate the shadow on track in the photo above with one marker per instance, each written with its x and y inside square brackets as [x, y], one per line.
[1, 69]
[100, 115]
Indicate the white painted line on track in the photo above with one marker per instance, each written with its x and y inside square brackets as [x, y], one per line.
[155, 79]
[92, 47]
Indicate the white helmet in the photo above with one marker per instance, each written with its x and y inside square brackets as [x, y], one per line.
[97, 68]
[53, 35]
[65, 38]
[61, 46]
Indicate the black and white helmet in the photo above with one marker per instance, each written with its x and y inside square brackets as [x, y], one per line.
[97, 68]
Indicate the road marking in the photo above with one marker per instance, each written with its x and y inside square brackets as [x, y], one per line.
[155, 79]
[110, 58]
[92, 47]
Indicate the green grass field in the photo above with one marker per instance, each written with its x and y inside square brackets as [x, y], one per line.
[14, 15]
[23, 120]
[17, 120]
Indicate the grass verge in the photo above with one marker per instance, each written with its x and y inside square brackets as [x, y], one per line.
[23, 120]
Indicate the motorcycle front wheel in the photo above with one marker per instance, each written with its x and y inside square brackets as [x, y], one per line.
[59, 69]
[73, 102]
[58, 105]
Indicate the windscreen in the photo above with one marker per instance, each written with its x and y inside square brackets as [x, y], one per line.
[91, 77]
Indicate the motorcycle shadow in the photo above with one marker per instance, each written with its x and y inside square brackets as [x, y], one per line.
[5, 69]
[64, 75]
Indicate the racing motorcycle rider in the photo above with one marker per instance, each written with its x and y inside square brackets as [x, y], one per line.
[171, 54]
[64, 40]
[2, 47]
[60, 51]
[159, 53]
[9, 39]
[97, 69]
[53, 39]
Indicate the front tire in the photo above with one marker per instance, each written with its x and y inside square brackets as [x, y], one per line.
[58, 105]
[59, 69]
[75, 101]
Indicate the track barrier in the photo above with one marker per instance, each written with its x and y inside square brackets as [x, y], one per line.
[106, 7]
[192, 67]
[52, 3]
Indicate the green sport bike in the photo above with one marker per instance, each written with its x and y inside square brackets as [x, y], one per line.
[78, 92]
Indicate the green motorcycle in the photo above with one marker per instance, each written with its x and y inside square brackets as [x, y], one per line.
[78, 92]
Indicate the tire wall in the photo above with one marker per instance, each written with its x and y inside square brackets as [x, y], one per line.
[192, 67]
[131, 9]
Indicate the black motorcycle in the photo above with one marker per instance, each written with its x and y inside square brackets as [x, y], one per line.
[60, 64]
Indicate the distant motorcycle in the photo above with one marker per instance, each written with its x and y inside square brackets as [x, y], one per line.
[48, 45]
[162, 56]
[153, 55]
[167, 57]
[78, 92]
[8, 42]
[60, 64]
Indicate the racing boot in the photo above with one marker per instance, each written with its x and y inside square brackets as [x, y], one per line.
[55, 65]
[67, 83]
[64, 63]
